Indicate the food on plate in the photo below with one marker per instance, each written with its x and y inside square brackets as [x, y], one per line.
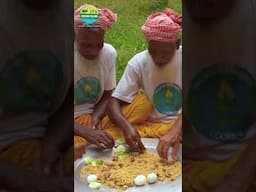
[122, 150]
[94, 162]
[140, 180]
[120, 141]
[97, 162]
[152, 178]
[95, 185]
[120, 172]
[91, 178]
[88, 160]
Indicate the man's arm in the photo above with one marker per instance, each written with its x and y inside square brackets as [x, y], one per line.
[100, 110]
[242, 174]
[171, 138]
[15, 179]
[98, 114]
[131, 135]
[93, 133]
[60, 126]
[59, 134]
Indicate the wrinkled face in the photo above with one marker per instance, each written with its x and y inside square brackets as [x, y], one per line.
[208, 10]
[161, 52]
[89, 43]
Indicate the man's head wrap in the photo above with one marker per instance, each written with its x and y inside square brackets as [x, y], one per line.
[163, 26]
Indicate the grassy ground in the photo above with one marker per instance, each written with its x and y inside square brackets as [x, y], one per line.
[126, 35]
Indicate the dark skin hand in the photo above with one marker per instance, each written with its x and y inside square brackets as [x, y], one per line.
[100, 110]
[79, 150]
[47, 175]
[170, 139]
[22, 180]
[131, 135]
[57, 139]
[94, 136]
[242, 175]
[93, 132]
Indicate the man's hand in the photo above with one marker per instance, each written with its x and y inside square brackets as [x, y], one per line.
[165, 142]
[79, 150]
[99, 137]
[130, 133]
[170, 139]
[133, 139]
[23, 180]
[49, 160]
[57, 139]
[95, 122]
[45, 183]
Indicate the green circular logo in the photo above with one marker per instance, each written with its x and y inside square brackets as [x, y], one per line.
[30, 81]
[89, 14]
[221, 103]
[87, 90]
[167, 99]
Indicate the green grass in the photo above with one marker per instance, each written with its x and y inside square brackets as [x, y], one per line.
[126, 35]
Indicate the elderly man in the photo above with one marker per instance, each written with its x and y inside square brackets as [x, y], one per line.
[94, 74]
[219, 90]
[35, 77]
[157, 71]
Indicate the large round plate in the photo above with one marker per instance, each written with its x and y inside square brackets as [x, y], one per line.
[81, 185]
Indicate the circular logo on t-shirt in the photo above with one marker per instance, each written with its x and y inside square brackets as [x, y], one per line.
[87, 90]
[167, 98]
[221, 103]
[30, 81]
[89, 14]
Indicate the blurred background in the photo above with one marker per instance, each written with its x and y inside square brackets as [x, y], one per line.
[126, 35]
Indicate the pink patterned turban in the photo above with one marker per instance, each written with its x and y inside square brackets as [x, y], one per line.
[105, 20]
[163, 26]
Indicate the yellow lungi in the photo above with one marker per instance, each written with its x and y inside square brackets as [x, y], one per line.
[136, 113]
[201, 176]
[22, 155]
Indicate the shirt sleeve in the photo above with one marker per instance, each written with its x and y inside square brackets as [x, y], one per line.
[110, 82]
[128, 86]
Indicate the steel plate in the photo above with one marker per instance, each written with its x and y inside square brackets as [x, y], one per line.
[80, 184]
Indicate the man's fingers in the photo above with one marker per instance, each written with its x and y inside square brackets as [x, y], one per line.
[158, 148]
[79, 150]
[99, 126]
[58, 167]
[101, 145]
[133, 145]
[141, 146]
[109, 136]
[162, 150]
[111, 139]
[90, 123]
[175, 150]
[106, 140]
[80, 147]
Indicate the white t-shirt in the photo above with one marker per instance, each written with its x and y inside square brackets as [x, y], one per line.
[92, 78]
[162, 86]
[232, 42]
[35, 67]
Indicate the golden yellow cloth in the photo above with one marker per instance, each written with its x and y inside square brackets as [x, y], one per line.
[205, 175]
[22, 155]
[136, 113]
